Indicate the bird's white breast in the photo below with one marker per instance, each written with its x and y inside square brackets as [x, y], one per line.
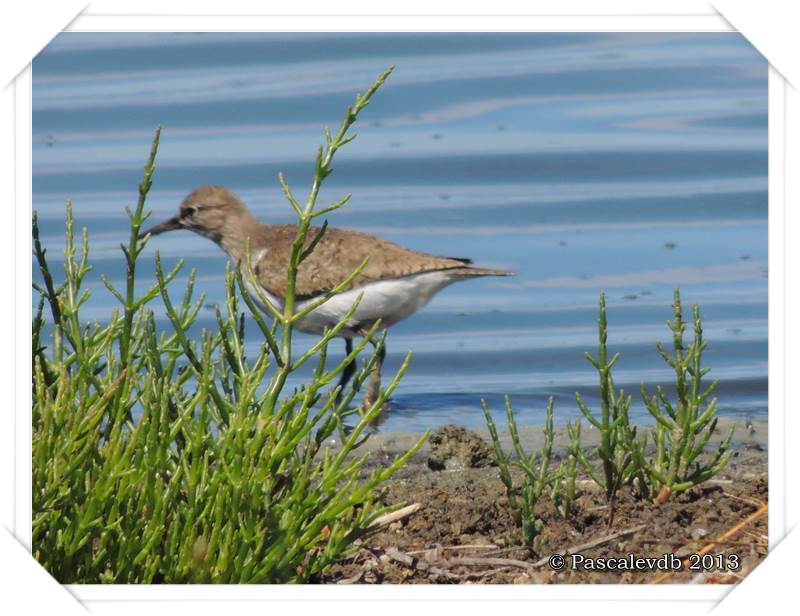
[388, 300]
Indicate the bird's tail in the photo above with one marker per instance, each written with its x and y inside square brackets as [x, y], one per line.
[470, 272]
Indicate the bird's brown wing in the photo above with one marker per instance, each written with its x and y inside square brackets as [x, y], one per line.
[336, 256]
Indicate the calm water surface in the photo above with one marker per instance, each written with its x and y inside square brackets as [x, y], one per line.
[630, 163]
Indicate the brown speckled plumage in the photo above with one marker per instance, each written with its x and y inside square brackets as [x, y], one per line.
[338, 254]
[216, 213]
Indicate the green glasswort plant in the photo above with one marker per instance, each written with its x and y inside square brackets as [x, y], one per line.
[617, 436]
[162, 458]
[536, 478]
[683, 427]
[564, 490]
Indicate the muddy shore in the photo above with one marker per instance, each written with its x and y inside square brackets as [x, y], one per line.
[465, 531]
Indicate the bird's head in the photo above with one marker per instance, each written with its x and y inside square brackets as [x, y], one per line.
[208, 211]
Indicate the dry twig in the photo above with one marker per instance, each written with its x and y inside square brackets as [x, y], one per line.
[388, 518]
[761, 511]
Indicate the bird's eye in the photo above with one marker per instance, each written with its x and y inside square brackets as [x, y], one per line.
[189, 211]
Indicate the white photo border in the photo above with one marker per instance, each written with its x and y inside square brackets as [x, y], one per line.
[700, 594]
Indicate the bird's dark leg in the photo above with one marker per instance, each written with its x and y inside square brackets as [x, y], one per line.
[374, 384]
[349, 369]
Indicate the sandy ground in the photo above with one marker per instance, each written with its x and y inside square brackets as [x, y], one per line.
[465, 531]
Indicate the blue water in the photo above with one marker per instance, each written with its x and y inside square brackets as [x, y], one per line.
[626, 162]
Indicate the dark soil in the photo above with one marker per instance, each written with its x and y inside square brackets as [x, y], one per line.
[465, 531]
[455, 448]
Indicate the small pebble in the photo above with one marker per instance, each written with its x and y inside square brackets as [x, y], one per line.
[699, 533]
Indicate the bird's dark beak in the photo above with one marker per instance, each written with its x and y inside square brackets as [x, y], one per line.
[168, 225]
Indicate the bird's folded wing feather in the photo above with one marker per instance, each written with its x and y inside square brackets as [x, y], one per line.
[336, 256]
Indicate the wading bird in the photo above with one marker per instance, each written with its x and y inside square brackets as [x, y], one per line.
[395, 283]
